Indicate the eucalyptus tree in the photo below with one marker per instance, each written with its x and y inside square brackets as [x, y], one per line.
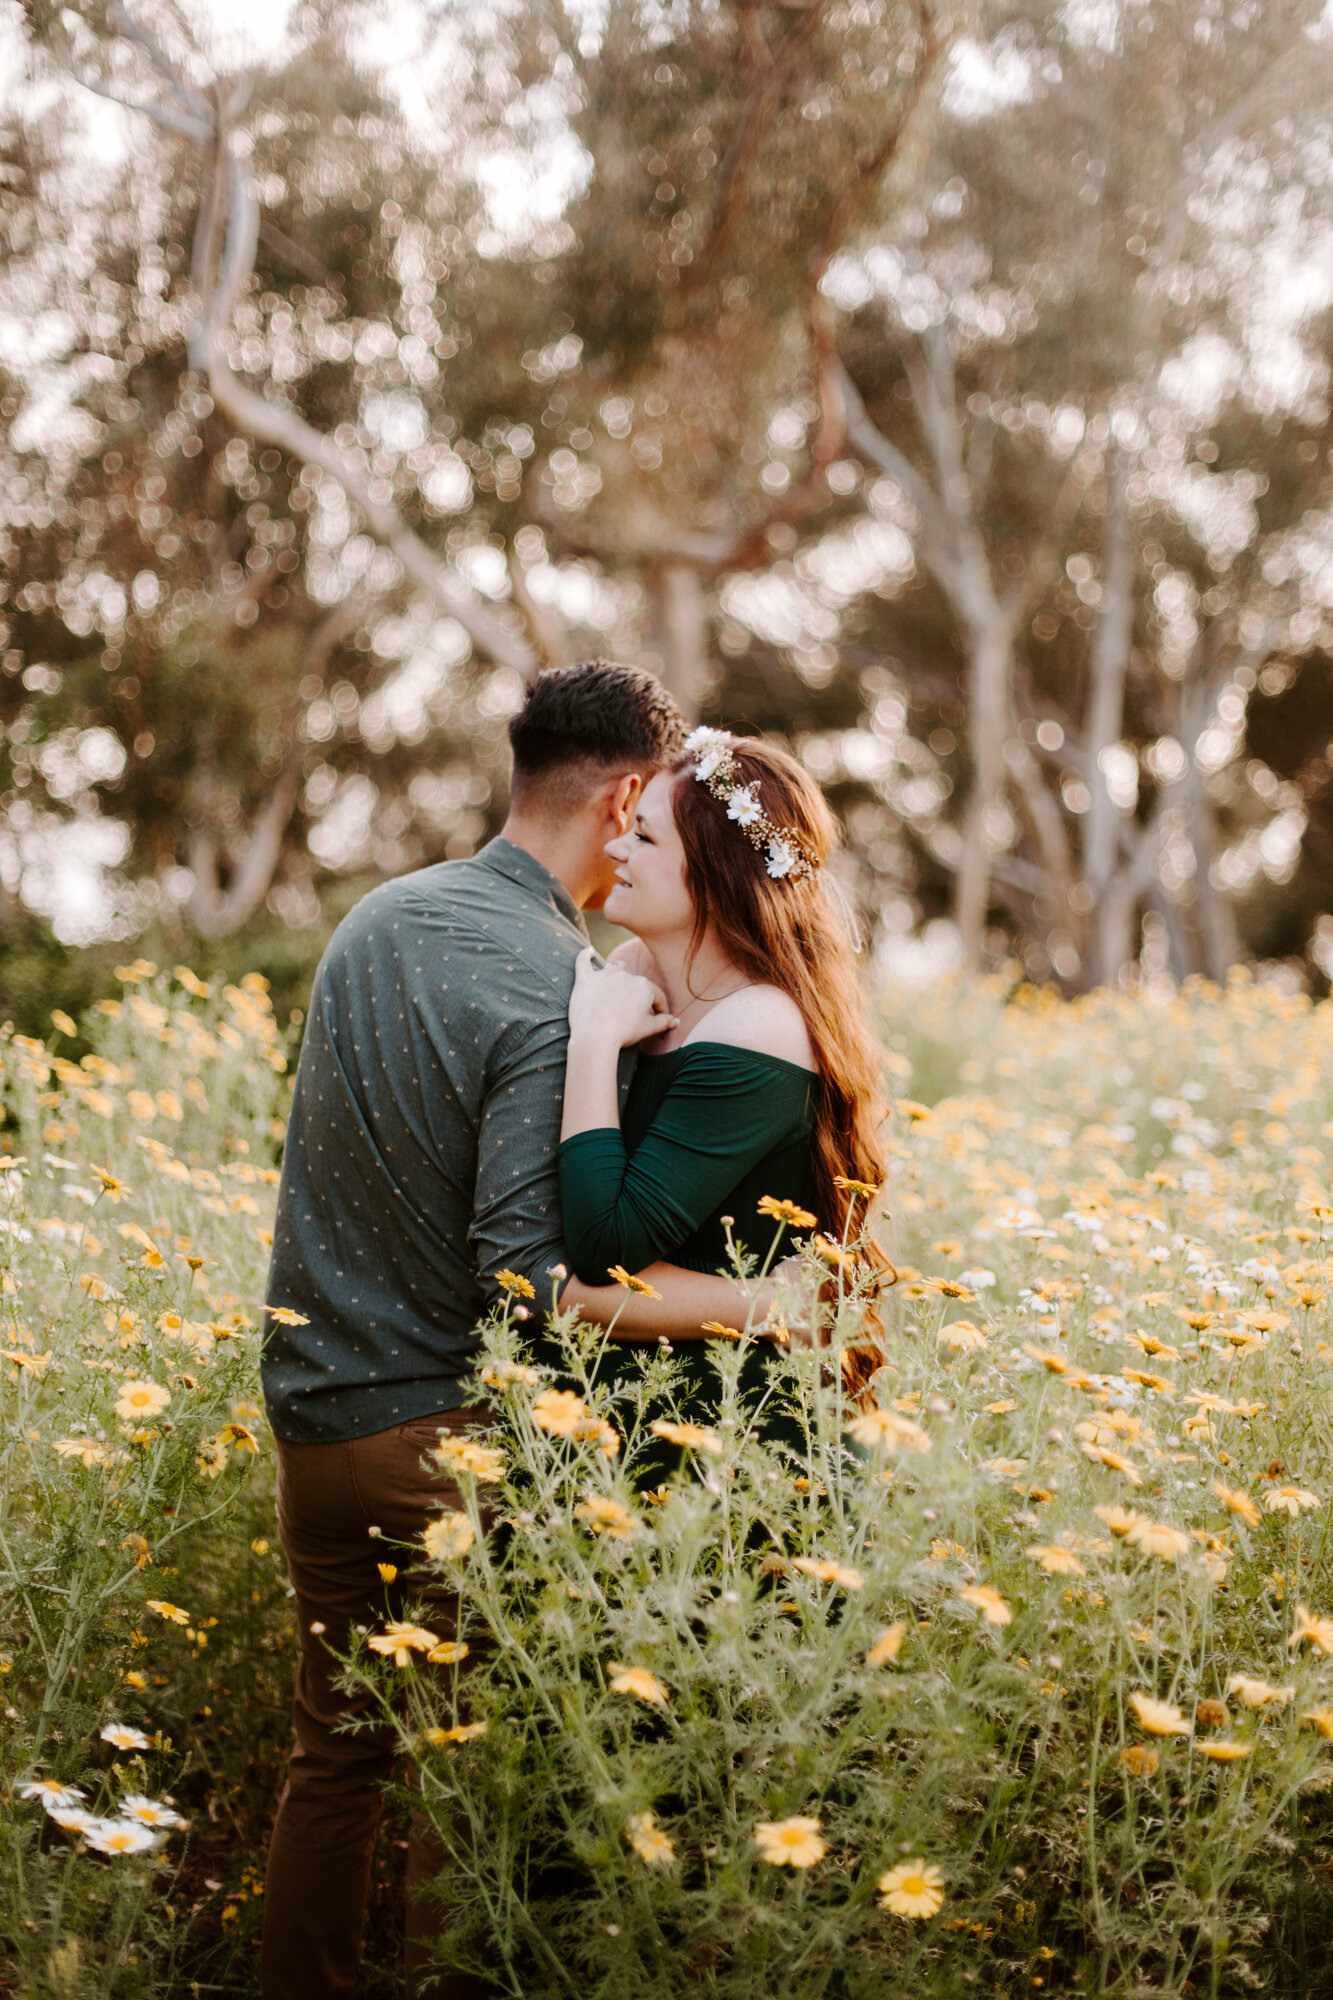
[352, 455]
[1026, 351]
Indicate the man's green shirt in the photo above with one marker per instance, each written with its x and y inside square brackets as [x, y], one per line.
[421, 1153]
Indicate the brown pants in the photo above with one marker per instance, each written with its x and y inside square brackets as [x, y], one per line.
[319, 1858]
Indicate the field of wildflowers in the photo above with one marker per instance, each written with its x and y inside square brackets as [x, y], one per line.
[1015, 1677]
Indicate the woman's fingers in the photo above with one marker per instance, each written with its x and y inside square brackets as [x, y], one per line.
[611, 1001]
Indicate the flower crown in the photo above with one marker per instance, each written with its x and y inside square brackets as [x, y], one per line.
[788, 855]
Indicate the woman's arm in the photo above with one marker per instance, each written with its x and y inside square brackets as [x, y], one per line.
[609, 1010]
[685, 1301]
[722, 1113]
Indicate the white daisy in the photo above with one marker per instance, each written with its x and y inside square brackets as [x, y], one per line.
[124, 1738]
[782, 858]
[72, 1818]
[118, 1836]
[50, 1793]
[744, 806]
[148, 1812]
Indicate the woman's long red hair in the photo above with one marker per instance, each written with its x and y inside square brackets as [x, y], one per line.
[787, 933]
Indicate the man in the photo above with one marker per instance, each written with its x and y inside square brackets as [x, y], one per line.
[420, 1161]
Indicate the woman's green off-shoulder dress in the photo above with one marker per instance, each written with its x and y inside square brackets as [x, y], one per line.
[707, 1130]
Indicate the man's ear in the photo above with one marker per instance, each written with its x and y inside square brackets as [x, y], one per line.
[623, 800]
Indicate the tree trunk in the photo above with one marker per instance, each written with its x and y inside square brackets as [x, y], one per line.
[216, 912]
[680, 622]
[1048, 825]
[1108, 664]
[988, 725]
[1118, 905]
[1218, 937]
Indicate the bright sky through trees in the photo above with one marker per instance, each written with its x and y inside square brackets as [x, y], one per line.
[948, 397]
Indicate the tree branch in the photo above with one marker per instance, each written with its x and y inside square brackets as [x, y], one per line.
[872, 166]
[215, 912]
[870, 443]
[542, 622]
[281, 425]
[757, 114]
[196, 104]
[161, 114]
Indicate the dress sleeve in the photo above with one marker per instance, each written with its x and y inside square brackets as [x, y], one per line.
[725, 1109]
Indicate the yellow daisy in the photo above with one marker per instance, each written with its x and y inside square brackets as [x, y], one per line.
[1256, 1693]
[137, 1400]
[830, 1572]
[888, 1645]
[1319, 1631]
[988, 1602]
[787, 1212]
[512, 1282]
[1159, 1718]
[1156, 1538]
[401, 1640]
[649, 1842]
[637, 1681]
[691, 1437]
[605, 1516]
[450, 1536]
[620, 1276]
[1237, 1501]
[790, 1843]
[912, 1889]
[1054, 1560]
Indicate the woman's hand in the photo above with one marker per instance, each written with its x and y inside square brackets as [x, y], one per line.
[613, 1007]
[635, 956]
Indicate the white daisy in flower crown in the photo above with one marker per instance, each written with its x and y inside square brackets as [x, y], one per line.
[743, 806]
[786, 854]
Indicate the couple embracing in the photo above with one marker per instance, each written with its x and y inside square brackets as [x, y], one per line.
[477, 1094]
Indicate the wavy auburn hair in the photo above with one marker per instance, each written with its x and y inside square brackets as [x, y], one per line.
[787, 933]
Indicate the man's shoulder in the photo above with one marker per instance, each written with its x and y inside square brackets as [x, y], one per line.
[454, 909]
[464, 895]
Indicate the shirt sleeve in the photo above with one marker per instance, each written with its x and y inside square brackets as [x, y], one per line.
[516, 1212]
[725, 1109]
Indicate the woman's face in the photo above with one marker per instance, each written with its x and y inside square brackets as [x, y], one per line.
[650, 896]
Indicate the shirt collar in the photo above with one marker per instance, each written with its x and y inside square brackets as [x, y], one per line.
[521, 867]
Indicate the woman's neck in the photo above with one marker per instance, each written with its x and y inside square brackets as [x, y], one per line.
[692, 981]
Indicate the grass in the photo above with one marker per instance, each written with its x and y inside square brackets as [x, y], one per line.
[1111, 1328]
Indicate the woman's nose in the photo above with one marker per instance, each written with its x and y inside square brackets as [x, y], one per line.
[618, 849]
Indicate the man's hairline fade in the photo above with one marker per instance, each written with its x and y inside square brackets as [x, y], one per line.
[563, 749]
[566, 786]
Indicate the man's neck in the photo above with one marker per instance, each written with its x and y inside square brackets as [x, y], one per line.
[561, 850]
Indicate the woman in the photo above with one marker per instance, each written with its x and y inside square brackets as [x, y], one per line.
[758, 1074]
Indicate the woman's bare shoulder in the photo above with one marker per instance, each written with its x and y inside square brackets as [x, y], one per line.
[762, 1018]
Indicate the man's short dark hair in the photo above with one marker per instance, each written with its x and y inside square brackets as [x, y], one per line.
[582, 724]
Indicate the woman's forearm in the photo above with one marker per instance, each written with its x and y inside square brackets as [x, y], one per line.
[686, 1299]
[592, 1098]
